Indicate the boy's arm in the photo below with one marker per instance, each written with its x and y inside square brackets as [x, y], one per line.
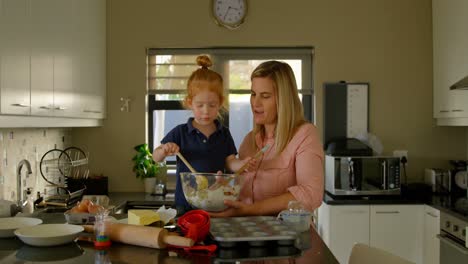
[164, 150]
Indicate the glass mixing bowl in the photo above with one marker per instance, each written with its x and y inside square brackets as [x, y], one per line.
[207, 191]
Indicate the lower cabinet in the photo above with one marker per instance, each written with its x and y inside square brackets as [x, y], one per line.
[431, 244]
[397, 229]
[343, 226]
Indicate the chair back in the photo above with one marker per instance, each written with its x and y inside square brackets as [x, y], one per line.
[364, 254]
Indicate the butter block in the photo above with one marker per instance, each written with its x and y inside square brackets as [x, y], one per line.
[142, 217]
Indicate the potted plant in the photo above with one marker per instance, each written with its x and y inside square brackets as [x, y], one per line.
[146, 168]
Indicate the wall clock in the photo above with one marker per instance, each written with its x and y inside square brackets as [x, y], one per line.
[229, 13]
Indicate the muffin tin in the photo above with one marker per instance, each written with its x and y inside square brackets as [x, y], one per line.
[254, 230]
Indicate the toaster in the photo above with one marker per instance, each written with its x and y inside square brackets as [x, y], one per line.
[440, 180]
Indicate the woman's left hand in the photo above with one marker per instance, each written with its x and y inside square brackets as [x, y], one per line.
[235, 208]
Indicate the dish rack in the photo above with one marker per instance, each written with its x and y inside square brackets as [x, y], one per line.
[56, 167]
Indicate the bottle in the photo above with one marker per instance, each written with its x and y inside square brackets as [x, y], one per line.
[101, 256]
[102, 239]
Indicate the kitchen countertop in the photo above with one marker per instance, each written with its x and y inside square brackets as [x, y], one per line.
[447, 203]
[120, 199]
[309, 247]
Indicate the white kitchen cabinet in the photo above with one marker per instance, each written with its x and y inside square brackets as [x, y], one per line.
[398, 230]
[91, 59]
[59, 67]
[450, 60]
[343, 226]
[431, 246]
[394, 228]
[14, 57]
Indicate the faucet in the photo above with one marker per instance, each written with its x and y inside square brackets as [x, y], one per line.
[19, 191]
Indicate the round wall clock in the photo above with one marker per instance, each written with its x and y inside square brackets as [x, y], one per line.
[229, 13]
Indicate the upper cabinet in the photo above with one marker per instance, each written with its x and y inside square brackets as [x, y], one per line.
[450, 60]
[53, 63]
[14, 57]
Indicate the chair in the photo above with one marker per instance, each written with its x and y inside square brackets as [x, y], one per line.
[364, 254]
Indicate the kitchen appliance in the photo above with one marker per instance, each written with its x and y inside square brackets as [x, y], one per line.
[346, 111]
[362, 175]
[460, 176]
[347, 147]
[453, 239]
[440, 180]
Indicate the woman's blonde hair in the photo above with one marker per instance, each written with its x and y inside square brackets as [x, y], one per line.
[204, 78]
[289, 108]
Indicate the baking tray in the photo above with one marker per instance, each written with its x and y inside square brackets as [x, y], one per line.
[254, 230]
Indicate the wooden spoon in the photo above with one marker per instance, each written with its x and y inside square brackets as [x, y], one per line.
[186, 162]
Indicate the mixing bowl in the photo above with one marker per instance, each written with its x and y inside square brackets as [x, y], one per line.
[207, 191]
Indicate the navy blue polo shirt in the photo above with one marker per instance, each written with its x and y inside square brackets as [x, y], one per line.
[204, 154]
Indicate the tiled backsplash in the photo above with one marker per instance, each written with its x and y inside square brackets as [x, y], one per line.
[17, 144]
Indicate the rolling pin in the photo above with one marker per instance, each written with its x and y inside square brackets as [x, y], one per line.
[146, 236]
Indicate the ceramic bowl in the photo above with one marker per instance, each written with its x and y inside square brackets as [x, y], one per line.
[9, 224]
[207, 191]
[48, 234]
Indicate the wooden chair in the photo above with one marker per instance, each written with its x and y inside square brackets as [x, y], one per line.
[364, 254]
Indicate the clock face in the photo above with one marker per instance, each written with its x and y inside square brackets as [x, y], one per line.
[230, 13]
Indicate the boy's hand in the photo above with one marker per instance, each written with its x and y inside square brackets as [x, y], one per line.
[170, 149]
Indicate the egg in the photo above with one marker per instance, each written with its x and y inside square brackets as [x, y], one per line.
[94, 208]
[83, 206]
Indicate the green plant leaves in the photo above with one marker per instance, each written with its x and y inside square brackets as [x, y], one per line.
[144, 165]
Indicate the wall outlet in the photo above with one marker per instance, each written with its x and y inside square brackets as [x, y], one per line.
[400, 153]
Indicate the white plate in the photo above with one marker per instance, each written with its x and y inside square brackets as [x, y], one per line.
[49, 234]
[9, 224]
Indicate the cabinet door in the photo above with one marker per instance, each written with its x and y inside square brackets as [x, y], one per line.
[397, 229]
[342, 226]
[431, 245]
[44, 41]
[90, 84]
[450, 57]
[42, 85]
[14, 57]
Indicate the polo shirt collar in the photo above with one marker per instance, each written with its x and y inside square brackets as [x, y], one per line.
[191, 128]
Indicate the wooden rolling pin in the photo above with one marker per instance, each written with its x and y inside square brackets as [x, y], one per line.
[146, 236]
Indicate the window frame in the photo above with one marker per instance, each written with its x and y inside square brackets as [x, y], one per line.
[220, 56]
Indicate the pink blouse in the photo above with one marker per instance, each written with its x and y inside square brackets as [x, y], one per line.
[298, 169]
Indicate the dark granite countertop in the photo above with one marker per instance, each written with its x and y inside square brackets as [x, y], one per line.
[308, 248]
[119, 199]
[456, 205]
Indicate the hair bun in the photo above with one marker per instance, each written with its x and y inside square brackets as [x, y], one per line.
[204, 61]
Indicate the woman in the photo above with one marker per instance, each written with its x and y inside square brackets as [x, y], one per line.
[292, 167]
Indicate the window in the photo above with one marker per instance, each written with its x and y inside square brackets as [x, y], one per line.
[169, 69]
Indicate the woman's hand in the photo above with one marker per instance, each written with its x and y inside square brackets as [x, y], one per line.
[250, 164]
[235, 208]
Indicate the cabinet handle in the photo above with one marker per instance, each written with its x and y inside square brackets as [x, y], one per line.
[387, 212]
[457, 110]
[444, 111]
[356, 212]
[45, 107]
[92, 111]
[60, 108]
[433, 215]
[21, 105]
